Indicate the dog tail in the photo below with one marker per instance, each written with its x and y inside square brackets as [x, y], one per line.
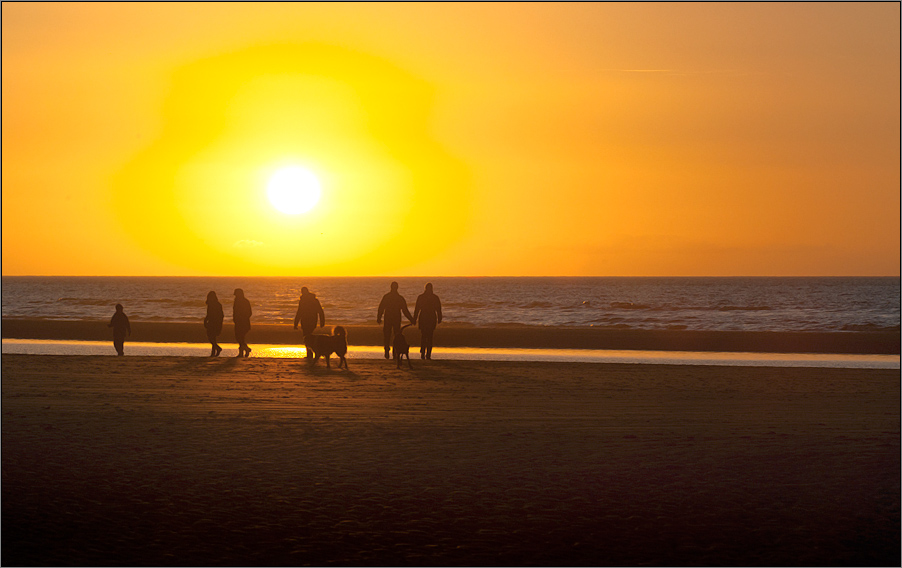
[405, 326]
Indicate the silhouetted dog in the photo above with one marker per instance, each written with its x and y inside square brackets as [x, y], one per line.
[400, 348]
[326, 345]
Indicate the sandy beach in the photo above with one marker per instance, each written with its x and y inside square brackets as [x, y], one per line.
[198, 461]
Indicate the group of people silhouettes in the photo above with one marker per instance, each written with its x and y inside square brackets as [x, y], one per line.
[241, 317]
[427, 314]
[427, 311]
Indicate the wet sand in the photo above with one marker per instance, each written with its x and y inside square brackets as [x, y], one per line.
[198, 461]
[513, 336]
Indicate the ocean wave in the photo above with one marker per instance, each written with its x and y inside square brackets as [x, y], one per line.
[464, 305]
[140, 316]
[607, 320]
[86, 301]
[698, 304]
[172, 301]
[630, 306]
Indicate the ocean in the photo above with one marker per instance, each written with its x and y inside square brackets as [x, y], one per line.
[708, 304]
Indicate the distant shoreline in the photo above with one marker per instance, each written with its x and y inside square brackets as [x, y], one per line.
[514, 336]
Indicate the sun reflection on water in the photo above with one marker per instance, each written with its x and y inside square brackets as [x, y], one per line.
[73, 347]
[286, 352]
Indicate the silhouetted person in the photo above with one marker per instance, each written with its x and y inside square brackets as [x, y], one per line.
[121, 328]
[427, 314]
[241, 315]
[213, 322]
[391, 306]
[309, 310]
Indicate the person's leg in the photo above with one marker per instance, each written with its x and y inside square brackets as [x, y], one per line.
[119, 344]
[386, 337]
[214, 335]
[244, 350]
[395, 330]
[307, 329]
[239, 337]
[427, 341]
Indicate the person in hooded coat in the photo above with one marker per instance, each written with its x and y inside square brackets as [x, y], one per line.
[121, 328]
[427, 314]
[241, 315]
[213, 322]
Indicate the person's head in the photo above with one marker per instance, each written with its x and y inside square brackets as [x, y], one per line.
[239, 292]
[304, 291]
[119, 307]
[211, 297]
[429, 288]
[394, 286]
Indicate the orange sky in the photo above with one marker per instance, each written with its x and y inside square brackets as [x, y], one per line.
[452, 139]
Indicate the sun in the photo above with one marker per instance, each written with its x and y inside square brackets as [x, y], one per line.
[293, 190]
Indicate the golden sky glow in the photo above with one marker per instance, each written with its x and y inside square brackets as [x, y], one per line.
[452, 139]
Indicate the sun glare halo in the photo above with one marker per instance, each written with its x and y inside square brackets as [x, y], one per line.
[293, 190]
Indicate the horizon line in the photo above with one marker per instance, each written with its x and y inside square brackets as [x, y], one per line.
[450, 276]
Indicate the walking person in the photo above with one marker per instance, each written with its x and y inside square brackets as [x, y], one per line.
[427, 314]
[241, 315]
[309, 311]
[391, 306]
[121, 328]
[213, 322]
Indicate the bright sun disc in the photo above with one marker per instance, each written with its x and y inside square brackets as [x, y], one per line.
[293, 190]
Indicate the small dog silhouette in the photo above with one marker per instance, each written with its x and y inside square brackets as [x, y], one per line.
[326, 345]
[400, 348]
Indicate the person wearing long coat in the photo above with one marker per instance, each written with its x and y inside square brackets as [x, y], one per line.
[241, 315]
[121, 328]
[213, 322]
[427, 314]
